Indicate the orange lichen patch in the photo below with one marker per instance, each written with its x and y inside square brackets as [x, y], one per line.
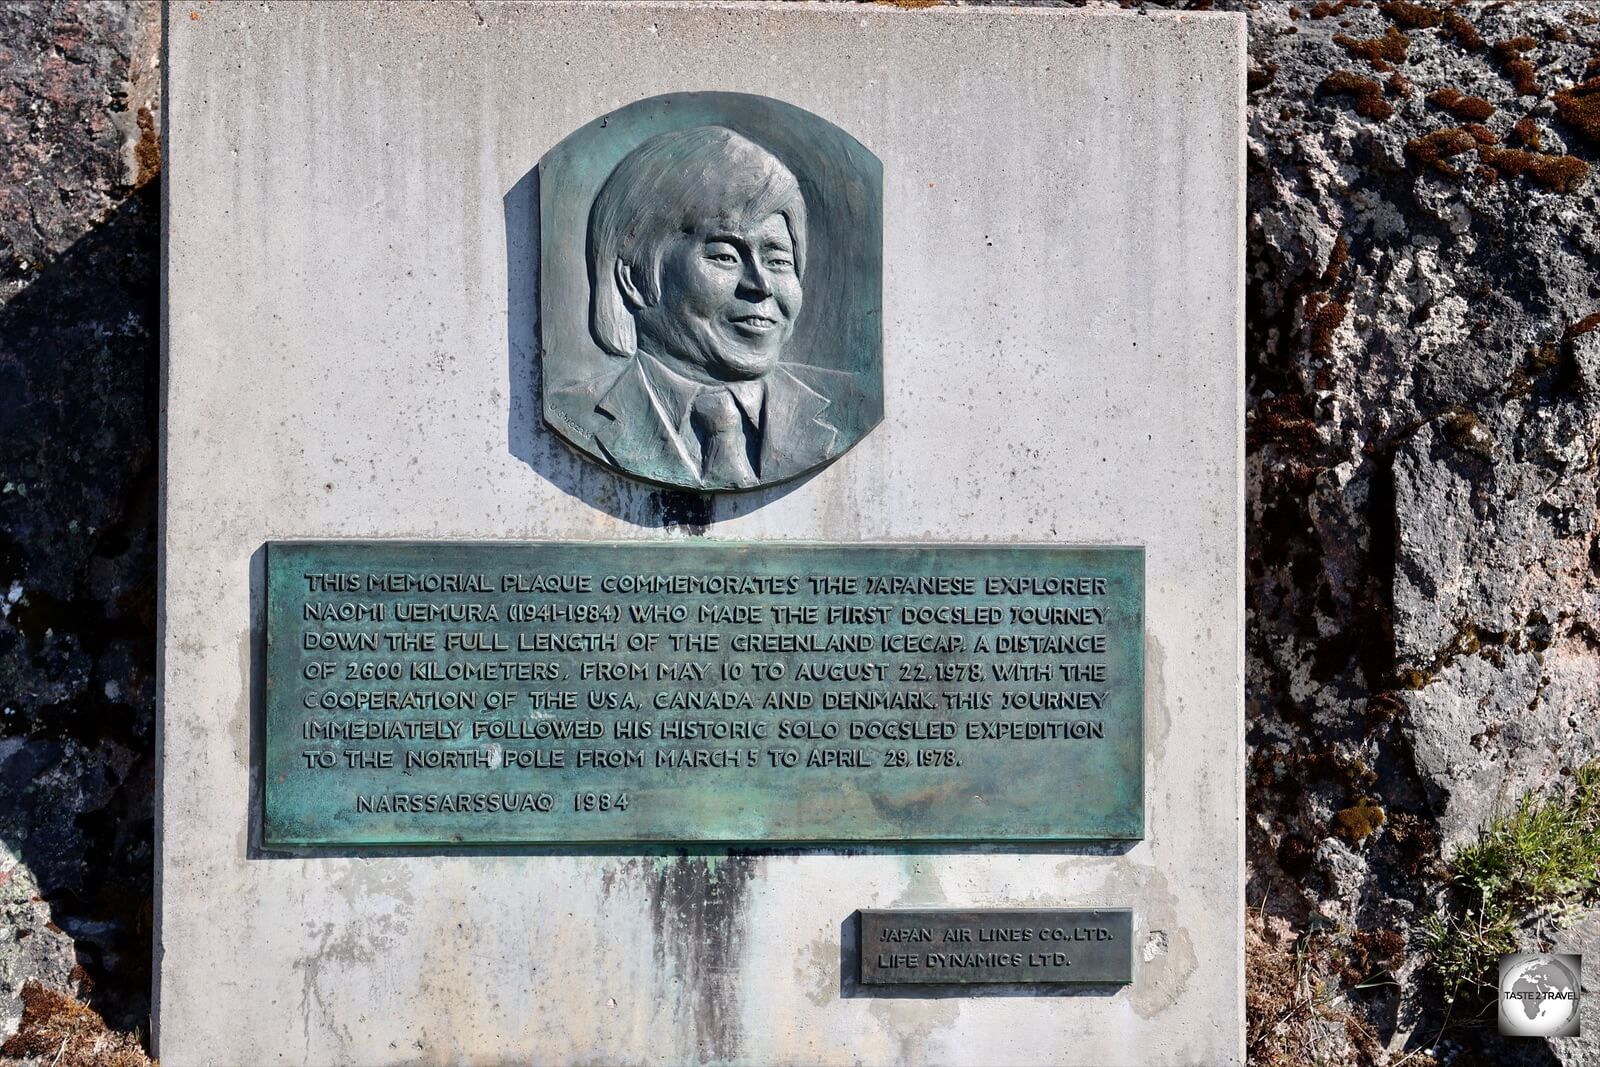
[1324, 319]
[1481, 133]
[1527, 133]
[1584, 325]
[1359, 821]
[1465, 32]
[1399, 84]
[1337, 258]
[1258, 78]
[1412, 16]
[1368, 94]
[65, 1033]
[1431, 150]
[1391, 47]
[147, 152]
[1460, 104]
[1287, 421]
[1559, 174]
[1579, 107]
[1522, 74]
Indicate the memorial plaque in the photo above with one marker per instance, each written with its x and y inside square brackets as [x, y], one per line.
[438, 693]
[1031, 946]
[710, 290]
[607, 380]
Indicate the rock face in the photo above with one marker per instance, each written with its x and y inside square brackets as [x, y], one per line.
[1424, 250]
[31, 946]
[79, 352]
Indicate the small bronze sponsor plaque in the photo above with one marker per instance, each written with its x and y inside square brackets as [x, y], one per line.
[1032, 946]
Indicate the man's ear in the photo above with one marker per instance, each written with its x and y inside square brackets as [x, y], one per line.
[626, 286]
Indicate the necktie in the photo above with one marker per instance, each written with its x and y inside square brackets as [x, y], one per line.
[717, 422]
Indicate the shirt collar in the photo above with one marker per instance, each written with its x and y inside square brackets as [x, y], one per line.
[677, 392]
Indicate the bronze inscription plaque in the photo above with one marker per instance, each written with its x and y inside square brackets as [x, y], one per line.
[456, 694]
[997, 945]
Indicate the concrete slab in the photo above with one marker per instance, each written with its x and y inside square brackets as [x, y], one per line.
[351, 353]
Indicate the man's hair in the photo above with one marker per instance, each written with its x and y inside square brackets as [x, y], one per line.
[662, 188]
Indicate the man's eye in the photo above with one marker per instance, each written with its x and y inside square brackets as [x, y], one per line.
[722, 257]
[779, 261]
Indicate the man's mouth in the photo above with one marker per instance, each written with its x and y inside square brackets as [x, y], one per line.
[754, 322]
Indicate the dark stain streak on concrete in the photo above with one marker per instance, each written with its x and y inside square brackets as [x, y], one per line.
[692, 511]
[699, 909]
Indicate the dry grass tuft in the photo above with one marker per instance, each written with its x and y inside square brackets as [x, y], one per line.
[64, 1033]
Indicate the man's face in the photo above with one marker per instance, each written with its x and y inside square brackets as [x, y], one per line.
[729, 297]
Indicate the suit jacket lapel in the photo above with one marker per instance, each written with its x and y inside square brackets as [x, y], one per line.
[794, 434]
[637, 435]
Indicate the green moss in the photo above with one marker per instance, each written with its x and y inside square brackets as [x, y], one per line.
[1467, 640]
[1462, 428]
[1540, 862]
[1359, 821]
[1411, 679]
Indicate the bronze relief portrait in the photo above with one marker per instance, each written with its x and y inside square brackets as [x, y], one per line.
[709, 314]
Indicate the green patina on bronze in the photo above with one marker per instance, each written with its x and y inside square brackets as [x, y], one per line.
[996, 946]
[710, 290]
[451, 693]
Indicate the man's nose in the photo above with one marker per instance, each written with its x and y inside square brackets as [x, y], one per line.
[754, 284]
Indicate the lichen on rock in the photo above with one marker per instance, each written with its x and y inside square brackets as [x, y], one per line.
[1423, 555]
